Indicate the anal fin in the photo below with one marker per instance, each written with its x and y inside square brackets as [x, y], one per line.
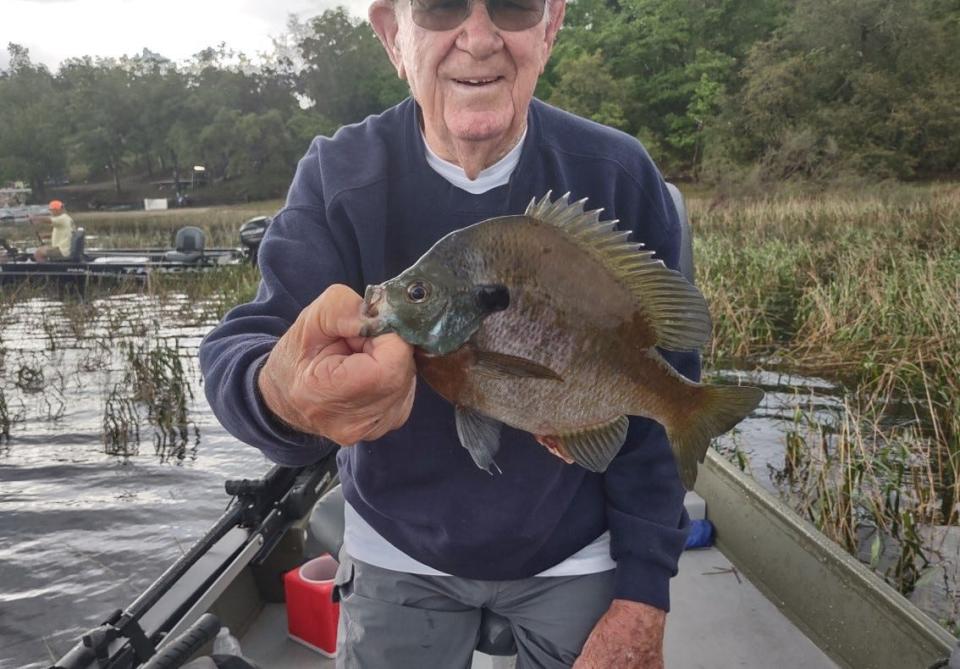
[592, 448]
[480, 435]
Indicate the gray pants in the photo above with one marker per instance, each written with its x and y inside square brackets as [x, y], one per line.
[395, 620]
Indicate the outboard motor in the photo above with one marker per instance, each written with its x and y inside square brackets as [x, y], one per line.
[251, 234]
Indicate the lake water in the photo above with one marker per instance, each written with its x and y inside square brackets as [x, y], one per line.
[83, 531]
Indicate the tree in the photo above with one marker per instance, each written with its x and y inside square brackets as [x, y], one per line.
[346, 73]
[31, 123]
[586, 87]
[668, 60]
[863, 76]
[157, 90]
[102, 111]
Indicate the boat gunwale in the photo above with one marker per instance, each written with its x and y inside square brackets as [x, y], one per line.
[858, 619]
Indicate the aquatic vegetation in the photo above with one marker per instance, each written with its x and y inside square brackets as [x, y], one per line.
[5, 419]
[208, 295]
[30, 379]
[160, 381]
[126, 229]
[861, 287]
[121, 425]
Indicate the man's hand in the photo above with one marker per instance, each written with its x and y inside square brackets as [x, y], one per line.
[628, 636]
[323, 378]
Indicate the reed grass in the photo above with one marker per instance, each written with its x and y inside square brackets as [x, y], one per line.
[121, 424]
[861, 287]
[162, 383]
[5, 419]
[209, 294]
[126, 229]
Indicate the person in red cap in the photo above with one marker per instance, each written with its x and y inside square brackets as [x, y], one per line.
[59, 246]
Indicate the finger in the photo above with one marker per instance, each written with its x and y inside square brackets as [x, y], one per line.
[347, 375]
[407, 406]
[393, 359]
[332, 316]
[392, 352]
[363, 377]
[377, 428]
[385, 344]
[356, 344]
[396, 414]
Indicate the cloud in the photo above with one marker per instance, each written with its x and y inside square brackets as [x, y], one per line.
[54, 30]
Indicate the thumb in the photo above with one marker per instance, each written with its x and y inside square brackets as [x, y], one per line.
[333, 316]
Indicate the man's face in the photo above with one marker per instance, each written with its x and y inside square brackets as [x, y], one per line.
[473, 82]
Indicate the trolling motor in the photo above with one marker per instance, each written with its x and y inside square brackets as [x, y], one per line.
[9, 252]
[251, 234]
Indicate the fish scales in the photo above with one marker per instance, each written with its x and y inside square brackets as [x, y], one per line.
[566, 308]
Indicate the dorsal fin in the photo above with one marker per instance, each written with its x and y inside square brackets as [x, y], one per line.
[676, 310]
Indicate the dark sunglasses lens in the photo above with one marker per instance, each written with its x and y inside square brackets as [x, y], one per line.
[505, 14]
[439, 14]
[515, 14]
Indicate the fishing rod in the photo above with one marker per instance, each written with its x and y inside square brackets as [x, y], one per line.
[34, 227]
[264, 507]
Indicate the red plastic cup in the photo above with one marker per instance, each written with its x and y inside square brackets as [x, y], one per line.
[312, 615]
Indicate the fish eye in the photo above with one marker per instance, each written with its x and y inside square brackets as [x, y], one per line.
[418, 291]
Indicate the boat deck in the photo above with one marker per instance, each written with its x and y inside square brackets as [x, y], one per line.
[718, 619]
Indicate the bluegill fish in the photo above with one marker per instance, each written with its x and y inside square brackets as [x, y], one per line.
[549, 322]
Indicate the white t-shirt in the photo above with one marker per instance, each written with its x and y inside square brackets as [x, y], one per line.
[363, 542]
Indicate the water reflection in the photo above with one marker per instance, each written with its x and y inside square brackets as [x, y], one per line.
[760, 438]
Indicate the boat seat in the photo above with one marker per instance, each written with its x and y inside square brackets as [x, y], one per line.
[77, 244]
[686, 237]
[326, 525]
[188, 246]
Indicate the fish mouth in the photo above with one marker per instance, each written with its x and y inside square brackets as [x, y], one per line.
[373, 297]
[372, 322]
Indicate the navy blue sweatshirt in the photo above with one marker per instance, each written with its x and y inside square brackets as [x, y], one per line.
[363, 206]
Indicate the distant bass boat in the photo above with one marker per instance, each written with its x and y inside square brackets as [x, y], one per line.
[82, 265]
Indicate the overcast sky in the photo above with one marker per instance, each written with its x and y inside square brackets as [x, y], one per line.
[54, 30]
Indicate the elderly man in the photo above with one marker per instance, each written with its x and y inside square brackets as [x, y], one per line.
[578, 562]
[60, 237]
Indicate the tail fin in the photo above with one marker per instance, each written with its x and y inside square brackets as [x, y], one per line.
[721, 407]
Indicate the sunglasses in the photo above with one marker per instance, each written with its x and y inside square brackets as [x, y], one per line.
[508, 15]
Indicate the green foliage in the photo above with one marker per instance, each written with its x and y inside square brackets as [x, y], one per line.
[860, 85]
[760, 89]
[347, 75]
[587, 88]
[32, 132]
[101, 111]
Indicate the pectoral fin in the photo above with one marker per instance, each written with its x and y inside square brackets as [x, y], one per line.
[503, 365]
[592, 448]
[480, 435]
